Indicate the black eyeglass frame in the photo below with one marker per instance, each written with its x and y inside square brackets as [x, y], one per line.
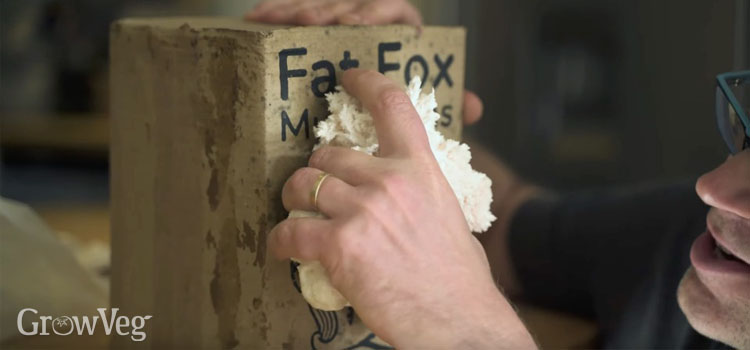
[724, 82]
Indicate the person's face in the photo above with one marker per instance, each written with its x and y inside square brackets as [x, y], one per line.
[715, 292]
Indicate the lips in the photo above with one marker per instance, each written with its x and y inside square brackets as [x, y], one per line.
[713, 252]
[723, 253]
[706, 259]
[731, 234]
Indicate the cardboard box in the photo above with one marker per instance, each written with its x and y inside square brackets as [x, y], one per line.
[209, 118]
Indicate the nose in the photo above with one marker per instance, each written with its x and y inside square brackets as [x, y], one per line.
[728, 186]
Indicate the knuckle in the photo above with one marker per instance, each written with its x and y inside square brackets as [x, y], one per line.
[391, 189]
[349, 245]
[372, 203]
[299, 181]
[278, 239]
[393, 181]
[283, 238]
[319, 157]
[393, 100]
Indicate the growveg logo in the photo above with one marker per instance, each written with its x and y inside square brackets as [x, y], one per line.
[80, 325]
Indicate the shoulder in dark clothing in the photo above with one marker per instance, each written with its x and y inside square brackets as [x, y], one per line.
[614, 256]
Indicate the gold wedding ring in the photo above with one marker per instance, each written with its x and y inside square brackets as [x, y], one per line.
[316, 189]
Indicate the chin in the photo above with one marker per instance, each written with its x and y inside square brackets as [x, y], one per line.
[727, 321]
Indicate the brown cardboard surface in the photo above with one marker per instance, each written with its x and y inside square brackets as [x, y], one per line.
[209, 118]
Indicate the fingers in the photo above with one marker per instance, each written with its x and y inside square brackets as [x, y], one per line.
[310, 12]
[353, 167]
[326, 13]
[334, 195]
[300, 238]
[383, 12]
[473, 108]
[260, 11]
[399, 128]
[281, 11]
[279, 14]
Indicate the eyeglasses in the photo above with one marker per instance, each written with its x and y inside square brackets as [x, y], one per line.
[732, 104]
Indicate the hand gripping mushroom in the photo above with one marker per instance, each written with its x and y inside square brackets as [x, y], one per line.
[349, 125]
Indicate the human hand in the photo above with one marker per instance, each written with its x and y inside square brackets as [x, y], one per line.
[328, 12]
[394, 241]
[351, 12]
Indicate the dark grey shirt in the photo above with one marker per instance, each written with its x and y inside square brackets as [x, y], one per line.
[616, 257]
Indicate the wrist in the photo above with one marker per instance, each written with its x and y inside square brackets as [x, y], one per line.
[484, 320]
[496, 326]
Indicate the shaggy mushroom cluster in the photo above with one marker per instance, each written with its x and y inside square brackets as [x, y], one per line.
[350, 125]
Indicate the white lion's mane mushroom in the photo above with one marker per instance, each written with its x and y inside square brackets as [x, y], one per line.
[350, 125]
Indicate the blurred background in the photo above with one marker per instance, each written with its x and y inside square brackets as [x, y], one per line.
[577, 93]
